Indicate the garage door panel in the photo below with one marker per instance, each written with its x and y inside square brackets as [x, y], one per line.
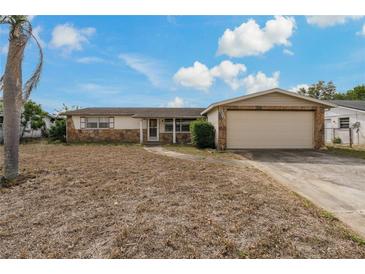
[270, 129]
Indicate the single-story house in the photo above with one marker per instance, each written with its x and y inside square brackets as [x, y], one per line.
[135, 125]
[273, 118]
[345, 117]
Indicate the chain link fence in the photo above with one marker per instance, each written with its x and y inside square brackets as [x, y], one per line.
[346, 136]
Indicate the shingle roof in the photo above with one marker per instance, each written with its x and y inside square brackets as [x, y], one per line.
[355, 104]
[140, 112]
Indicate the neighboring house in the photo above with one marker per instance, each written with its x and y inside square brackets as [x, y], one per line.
[29, 132]
[269, 119]
[341, 119]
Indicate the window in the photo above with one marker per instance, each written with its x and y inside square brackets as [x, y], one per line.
[182, 125]
[92, 122]
[103, 122]
[169, 125]
[97, 122]
[185, 125]
[344, 122]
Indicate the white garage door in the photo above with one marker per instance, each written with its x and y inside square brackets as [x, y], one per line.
[270, 129]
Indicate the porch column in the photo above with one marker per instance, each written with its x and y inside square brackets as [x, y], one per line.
[173, 131]
[141, 131]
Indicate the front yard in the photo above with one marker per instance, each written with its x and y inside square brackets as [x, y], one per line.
[116, 201]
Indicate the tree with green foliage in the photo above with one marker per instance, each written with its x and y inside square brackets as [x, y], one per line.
[202, 133]
[57, 132]
[320, 90]
[14, 93]
[357, 93]
[32, 117]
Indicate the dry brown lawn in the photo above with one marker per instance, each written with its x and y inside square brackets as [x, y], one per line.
[116, 201]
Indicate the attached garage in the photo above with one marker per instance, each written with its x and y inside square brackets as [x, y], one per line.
[270, 129]
[272, 119]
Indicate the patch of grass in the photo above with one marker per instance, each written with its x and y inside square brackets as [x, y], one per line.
[328, 215]
[207, 152]
[354, 237]
[242, 254]
[103, 143]
[357, 152]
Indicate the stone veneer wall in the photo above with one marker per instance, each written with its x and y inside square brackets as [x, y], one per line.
[117, 135]
[181, 138]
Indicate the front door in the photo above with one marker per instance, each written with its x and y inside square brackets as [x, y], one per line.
[153, 130]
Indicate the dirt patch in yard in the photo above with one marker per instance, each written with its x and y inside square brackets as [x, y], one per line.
[115, 201]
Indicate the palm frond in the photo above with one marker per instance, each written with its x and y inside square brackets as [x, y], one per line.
[34, 79]
[21, 22]
[1, 82]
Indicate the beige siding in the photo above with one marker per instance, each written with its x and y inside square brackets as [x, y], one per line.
[273, 99]
[120, 122]
[126, 122]
[270, 129]
[213, 118]
[162, 125]
[76, 121]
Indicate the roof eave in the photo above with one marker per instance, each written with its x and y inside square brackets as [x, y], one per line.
[261, 93]
[350, 108]
[166, 116]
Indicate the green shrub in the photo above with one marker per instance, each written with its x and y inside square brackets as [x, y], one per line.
[57, 132]
[337, 140]
[202, 134]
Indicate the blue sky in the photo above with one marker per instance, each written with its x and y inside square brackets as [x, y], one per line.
[188, 61]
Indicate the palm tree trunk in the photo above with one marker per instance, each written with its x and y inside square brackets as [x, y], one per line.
[13, 103]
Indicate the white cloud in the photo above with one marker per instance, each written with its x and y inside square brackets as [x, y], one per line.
[176, 103]
[298, 87]
[288, 52]
[150, 68]
[69, 38]
[249, 39]
[31, 17]
[324, 21]
[97, 89]
[36, 32]
[362, 32]
[229, 72]
[259, 82]
[90, 60]
[198, 76]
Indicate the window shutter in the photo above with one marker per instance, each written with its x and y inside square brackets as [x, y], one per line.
[111, 122]
[82, 122]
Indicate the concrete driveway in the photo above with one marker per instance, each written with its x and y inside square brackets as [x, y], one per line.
[335, 183]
